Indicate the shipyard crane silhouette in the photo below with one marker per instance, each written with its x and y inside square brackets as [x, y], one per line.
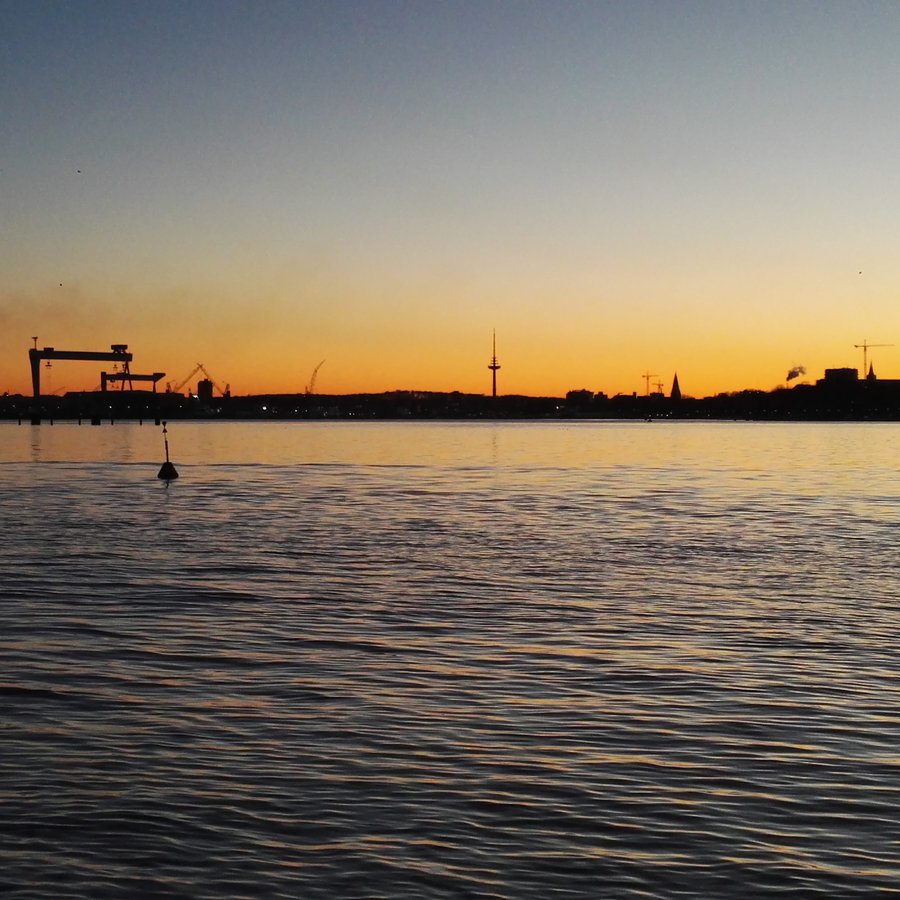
[311, 387]
[864, 346]
[199, 368]
[111, 377]
[118, 353]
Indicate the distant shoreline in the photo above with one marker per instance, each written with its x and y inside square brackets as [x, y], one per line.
[849, 400]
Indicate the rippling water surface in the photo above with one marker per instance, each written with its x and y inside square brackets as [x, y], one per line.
[450, 660]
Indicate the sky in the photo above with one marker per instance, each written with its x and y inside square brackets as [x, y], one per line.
[618, 188]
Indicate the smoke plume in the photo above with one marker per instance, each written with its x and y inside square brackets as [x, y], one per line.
[796, 372]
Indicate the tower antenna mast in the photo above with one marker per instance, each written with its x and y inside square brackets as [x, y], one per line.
[494, 366]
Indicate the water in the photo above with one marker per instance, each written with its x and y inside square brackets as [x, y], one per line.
[508, 660]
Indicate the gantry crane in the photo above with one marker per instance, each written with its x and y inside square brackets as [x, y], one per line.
[118, 353]
[111, 377]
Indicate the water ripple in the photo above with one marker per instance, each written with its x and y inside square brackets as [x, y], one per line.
[529, 679]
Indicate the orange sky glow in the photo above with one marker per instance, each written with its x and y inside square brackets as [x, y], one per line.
[615, 188]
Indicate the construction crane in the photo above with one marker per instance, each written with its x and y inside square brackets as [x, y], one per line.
[198, 368]
[311, 387]
[864, 346]
[647, 376]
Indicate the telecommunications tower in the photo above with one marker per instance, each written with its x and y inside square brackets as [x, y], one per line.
[494, 366]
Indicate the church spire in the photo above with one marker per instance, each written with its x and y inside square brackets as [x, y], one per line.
[676, 390]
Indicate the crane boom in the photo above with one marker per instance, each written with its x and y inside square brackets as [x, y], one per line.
[311, 387]
[223, 391]
[178, 387]
[864, 346]
[199, 368]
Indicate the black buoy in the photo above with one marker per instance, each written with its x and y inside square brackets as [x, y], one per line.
[167, 471]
